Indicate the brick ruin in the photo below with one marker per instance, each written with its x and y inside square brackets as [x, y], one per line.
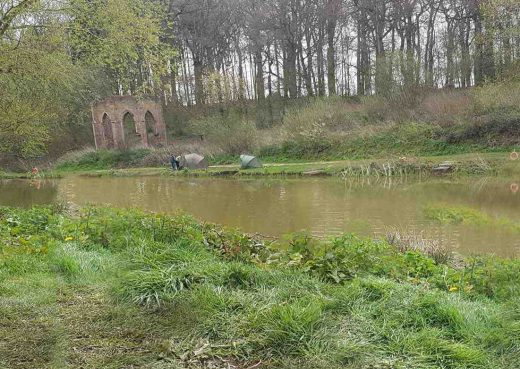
[121, 122]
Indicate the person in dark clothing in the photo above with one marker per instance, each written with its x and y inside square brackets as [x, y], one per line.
[174, 162]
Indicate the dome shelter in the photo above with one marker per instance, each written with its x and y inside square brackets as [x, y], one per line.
[192, 161]
[249, 161]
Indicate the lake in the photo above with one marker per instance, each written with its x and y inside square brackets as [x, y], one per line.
[321, 206]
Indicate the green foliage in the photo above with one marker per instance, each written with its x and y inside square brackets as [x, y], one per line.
[321, 118]
[66, 265]
[343, 258]
[290, 329]
[36, 78]
[486, 276]
[120, 36]
[502, 125]
[496, 97]
[456, 215]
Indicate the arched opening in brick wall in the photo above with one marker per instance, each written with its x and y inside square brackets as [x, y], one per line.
[107, 131]
[132, 138]
[151, 129]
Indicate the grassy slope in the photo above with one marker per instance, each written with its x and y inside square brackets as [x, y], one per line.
[113, 289]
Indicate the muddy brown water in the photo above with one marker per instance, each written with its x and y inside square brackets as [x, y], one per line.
[279, 206]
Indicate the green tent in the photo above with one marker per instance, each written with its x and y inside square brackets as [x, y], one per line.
[249, 161]
[192, 161]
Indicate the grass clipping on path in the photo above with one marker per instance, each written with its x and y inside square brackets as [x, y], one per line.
[121, 288]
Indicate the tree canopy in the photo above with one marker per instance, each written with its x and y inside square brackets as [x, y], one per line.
[53, 55]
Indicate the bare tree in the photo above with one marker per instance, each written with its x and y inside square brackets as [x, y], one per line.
[324, 47]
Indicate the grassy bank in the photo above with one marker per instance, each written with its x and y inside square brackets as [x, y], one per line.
[492, 164]
[488, 164]
[48, 174]
[109, 163]
[119, 288]
[395, 149]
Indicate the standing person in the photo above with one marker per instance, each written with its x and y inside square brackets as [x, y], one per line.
[174, 162]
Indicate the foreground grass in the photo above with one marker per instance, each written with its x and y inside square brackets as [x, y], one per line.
[119, 288]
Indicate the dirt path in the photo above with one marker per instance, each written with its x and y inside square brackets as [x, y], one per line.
[235, 166]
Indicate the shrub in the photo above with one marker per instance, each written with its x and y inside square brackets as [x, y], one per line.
[232, 135]
[495, 129]
[311, 129]
[413, 241]
[446, 107]
[90, 159]
[399, 105]
[495, 97]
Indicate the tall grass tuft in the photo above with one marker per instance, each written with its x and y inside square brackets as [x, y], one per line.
[415, 241]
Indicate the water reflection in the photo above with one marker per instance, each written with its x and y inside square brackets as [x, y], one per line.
[26, 193]
[321, 206]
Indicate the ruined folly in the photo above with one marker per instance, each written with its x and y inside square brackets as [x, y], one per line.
[121, 122]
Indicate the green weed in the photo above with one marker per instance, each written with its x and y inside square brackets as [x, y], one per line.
[464, 215]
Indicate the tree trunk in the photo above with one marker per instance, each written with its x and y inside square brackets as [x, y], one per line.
[305, 71]
[465, 62]
[199, 82]
[363, 60]
[173, 82]
[278, 76]
[259, 78]
[241, 81]
[290, 71]
[331, 56]
[320, 62]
